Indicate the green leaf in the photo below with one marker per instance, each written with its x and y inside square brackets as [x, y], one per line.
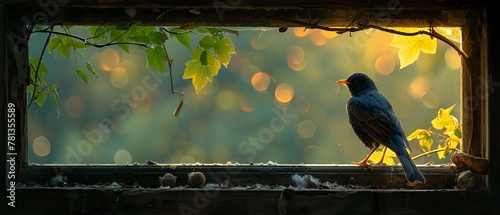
[183, 37]
[458, 132]
[53, 97]
[120, 36]
[156, 38]
[40, 98]
[214, 30]
[157, 58]
[42, 70]
[30, 89]
[201, 30]
[223, 49]
[62, 45]
[203, 58]
[207, 42]
[83, 76]
[53, 43]
[98, 33]
[201, 74]
[91, 69]
[77, 44]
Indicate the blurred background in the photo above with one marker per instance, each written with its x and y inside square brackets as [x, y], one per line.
[277, 101]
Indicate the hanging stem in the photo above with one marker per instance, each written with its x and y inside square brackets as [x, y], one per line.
[38, 65]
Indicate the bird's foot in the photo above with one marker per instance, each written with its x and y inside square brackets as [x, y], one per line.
[362, 163]
[380, 164]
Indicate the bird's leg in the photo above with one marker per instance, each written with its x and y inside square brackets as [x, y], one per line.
[363, 162]
[381, 162]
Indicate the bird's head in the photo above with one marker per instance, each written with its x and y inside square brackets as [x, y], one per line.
[358, 82]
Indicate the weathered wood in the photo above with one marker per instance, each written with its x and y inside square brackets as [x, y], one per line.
[253, 4]
[422, 13]
[258, 201]
[241, 175]
[492, 51]
[252, 13]
[475, 88]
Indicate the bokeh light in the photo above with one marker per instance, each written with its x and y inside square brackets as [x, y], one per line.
[119, 77]
[318, 38]
[41, 146]
[306, 129]
[295, 56]
[329, 34]
[260, 81]
[418, 87]
[226, 100]
[301, 32]
[108, 59]
[246, 105]
[311, 153]
[74, 106]
[142, 102]
[279, 83]
[431, 100]
[452, 59]
[385, 64]
[259, 44]
[302, 104]
[122, 156]
[284, 93]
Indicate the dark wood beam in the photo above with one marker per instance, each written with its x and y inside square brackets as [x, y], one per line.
[247, 13]
[253, 201]
[240, 175]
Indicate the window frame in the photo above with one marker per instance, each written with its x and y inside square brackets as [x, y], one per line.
[477, 99]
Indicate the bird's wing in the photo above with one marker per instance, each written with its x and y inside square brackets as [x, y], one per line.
[373, 121]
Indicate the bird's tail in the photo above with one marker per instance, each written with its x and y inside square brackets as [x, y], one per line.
[412, 173]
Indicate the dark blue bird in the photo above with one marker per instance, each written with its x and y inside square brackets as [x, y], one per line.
[375, 123]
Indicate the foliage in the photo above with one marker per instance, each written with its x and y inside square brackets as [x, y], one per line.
[450, 138]
[213, 49]
[411, 46]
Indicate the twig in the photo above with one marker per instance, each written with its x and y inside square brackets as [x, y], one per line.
[38, 65]
[431, 33]
[432, 151]
[87, 42]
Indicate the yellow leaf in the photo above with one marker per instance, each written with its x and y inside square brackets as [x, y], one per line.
[200, 71]
[443, 118]
[415, 134]
[377, 155]
[446, 146]
[450, 127]
[453, 34]
[441, 153]
[410, 46]
[425, 141]
[454, 141]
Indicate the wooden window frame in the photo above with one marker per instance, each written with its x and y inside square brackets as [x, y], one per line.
[480, 97]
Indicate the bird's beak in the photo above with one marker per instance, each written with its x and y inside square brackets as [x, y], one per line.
[343, 81]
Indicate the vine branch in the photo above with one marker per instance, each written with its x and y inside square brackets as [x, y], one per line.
[433, 151]
[87, 42]
[432, 33]
[38, 65]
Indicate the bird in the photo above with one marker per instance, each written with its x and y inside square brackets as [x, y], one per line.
[375, 123]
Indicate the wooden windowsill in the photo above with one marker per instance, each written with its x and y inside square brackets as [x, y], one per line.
[377, 177]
